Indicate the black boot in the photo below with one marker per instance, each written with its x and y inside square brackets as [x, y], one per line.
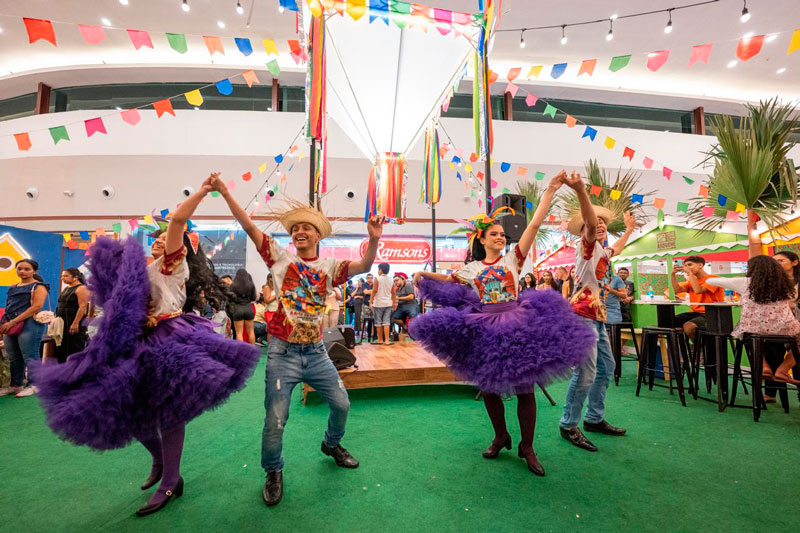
[273, 488]
[494, 448]
[341, 456]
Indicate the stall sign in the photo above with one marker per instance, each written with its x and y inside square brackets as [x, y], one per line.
[666, 240]
[401, 250]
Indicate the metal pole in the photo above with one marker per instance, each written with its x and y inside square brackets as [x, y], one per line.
[487, 178]
[433, 234]
[311, 164]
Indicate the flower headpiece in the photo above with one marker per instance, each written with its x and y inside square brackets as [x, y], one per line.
[475, 226]
[161, 225]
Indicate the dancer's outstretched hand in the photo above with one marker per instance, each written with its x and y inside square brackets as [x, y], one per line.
[630, 220]
[415, 279]
[207, 186]
[574, 181]
[375, 227]
[217, 184]
[558, 180]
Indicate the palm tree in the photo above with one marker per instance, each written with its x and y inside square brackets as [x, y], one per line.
[627, 184]
[533, 195]
[751, 167]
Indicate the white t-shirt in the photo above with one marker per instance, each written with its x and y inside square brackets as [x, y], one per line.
[494, 282]
[302, 286]
[383, 291]
[168, 275]
[592, 265]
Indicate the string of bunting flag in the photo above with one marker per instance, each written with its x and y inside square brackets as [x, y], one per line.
[747, 47]
[44, 30]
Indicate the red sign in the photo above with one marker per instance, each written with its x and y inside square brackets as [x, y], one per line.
[401, 250]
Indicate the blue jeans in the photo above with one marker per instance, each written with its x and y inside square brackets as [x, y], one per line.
[24, 348]
[287, 365]
[590, 379]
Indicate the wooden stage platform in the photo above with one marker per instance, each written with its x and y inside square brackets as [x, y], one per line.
[402, 363]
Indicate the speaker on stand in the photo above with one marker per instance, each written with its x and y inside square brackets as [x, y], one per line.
[513, 224]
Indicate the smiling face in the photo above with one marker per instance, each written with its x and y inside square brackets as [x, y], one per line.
[305, 237]
[159, 245]
[494, 238]
[602, 230]
[25, 271]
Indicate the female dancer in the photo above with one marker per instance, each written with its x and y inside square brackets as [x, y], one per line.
[151, 368]
[73, 303]
[508, 341]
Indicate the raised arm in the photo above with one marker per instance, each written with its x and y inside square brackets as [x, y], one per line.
[630, 225]
[753, 237]
[676, 286]
[238, 212]
[575, 182]
[375, 230]
[432, 275]
[177, 223]
[529, 235]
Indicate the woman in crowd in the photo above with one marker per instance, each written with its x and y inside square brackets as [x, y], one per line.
[358, 303]
[547, 282]
[490, 335]
[527, 282]
[790, 263]
[73, 304]
[332, 308]
[244, 295]
[22, 334]
[767, 307]
[151, 367]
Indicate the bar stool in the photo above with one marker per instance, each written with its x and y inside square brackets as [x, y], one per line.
[677, 354]
[706, 339]
[615, 338]
[754, 344]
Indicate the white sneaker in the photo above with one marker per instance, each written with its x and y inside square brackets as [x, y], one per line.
[8, 391]
[27, 391]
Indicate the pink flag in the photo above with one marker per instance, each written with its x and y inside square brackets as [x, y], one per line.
[667, 172]
[131, 116]
[133, 223]
[140, 38]
[647, 162]
[749, 47]
[92, 34]
[700, 53]
[512, 89]
[656, 60]
[231, 185]
[732, 216]
[708, 212]
[494, 184]
[531, 100]
[94, 125]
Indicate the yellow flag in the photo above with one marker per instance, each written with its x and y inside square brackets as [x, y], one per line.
[468, 167]
[194, 97]
[615, 194]
[269, 46]
[262, 168]
[148, 219]
[67, 237]
[356, 8]
[794, 44]
[451, 165]
[610, 143]
[739, 208]
[315, 7]
[535, 71]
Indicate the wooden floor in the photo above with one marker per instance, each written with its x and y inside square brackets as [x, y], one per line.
[402, 363]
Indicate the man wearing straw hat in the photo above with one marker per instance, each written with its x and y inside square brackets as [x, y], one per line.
[592, 267]
[296, 351]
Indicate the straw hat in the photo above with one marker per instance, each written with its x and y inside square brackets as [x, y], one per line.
[576, 221]
[299, 213]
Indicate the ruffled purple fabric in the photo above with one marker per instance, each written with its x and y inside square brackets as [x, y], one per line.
[131, 380]
[502, 347]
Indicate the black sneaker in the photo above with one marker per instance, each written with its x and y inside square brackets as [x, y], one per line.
[341, 456]
[273, 488]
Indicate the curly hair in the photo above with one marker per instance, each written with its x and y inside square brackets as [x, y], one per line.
[768, 282]
[203, 281]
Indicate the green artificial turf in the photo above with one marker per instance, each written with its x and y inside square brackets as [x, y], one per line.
[690, 469]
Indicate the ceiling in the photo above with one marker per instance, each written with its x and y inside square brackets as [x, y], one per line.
[23, 65]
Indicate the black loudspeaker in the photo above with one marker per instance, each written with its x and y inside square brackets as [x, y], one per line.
[514, 225]
[349, 335]
[335, 344]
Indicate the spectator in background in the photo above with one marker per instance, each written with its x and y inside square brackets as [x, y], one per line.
[73, 304]
[527, 282]
[270, 299]
[242, 313]
[227, 280]
[547, 282]
[260, 320]
[366, 311]
[383, 299]
[332, 308]
[407, 305]
[560, 276]
[699, 293]
[22, 335]
[349, 291]
[615, 291]
[625, 303]
[220, 319]
[790, 263]
[568, 286]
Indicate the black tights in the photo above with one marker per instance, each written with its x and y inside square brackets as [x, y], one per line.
[526, 413]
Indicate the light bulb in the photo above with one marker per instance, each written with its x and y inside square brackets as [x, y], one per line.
[781, 70]
[522, 39]
[563, 35]
[239, 8]
[732, 63]
[610, 34]
[745, 13]
[668, 27]
[220, 24]
[123, 2]
[278, 171]
[105, 21]
[281, 9]
[185, 5]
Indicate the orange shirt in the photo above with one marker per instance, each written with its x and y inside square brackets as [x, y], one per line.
[711, 294]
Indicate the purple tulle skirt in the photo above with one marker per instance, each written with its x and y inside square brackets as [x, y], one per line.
[131, 381]
[503, 347]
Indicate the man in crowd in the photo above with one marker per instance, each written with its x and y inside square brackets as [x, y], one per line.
[407, 306]
[625, 303]
[699, 293]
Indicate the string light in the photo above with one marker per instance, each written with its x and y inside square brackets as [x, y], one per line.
[185, 5]
[745, 12]
[563, 34]
[123, 2]
[281, 9]
[610, 34]
[239, 8]
[522, 39]
[668, 27]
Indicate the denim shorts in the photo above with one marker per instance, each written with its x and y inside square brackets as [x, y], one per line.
[382, 315]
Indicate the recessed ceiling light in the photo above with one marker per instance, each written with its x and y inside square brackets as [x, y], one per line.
[747, 35]
[123, 2]
[220, 24]
[732, 64]
[772, 37]
[1, 30]
[781, 70]
[105, 21]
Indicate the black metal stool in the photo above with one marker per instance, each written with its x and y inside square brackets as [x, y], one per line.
[615, 339]
[754, 346]
[714, 344]
[678, 356]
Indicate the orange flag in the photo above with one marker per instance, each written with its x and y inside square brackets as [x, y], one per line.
[570, 121]
[214, 44]
[659, 203]
[587, 67]
[250, 77]
[40, 29]
[513, 74]
[163, 106]
[23, 141]
[749, 47]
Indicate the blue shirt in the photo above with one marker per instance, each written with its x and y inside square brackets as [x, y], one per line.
[613, 311]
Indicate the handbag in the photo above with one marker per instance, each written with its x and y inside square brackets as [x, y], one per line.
[43, 317]
[16, 329]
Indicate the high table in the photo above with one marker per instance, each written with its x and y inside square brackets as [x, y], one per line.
[719, 318]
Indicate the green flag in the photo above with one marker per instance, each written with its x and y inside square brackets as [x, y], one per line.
[539, 176]
[214, 194]
[400, 8]
[619, 63]
[687, 180]
[59, 133]
[683, 207]
[506, 190]
[117, 227]
[550, 110]
[273, 67]
[178, 42]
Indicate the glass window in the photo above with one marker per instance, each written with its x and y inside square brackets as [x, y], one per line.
[17, 107]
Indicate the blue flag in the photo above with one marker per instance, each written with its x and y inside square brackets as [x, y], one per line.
[558, 70]
[504, 167]
[224, 87]
[589, 132]
[244, 45]
[637, 198]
